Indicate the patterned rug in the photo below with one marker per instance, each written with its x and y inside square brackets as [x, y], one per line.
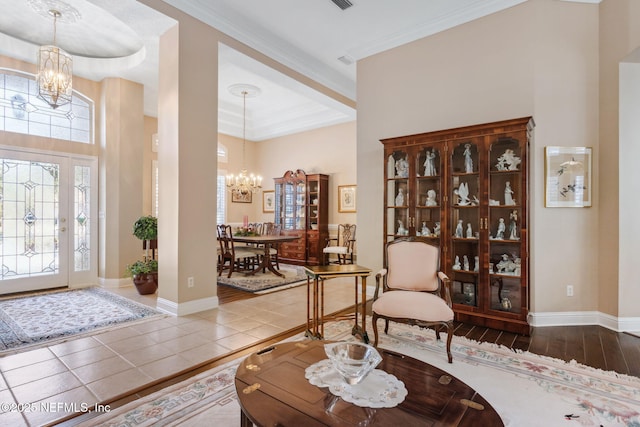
[524, 388]
[45, 318]
[261, 283]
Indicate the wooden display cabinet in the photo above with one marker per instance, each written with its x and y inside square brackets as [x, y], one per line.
[466, 190]
[302, 210]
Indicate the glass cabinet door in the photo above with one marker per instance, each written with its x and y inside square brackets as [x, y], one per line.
[428, 193]
[505, 198]
[397, 174]
[288, 222]
[464, 204]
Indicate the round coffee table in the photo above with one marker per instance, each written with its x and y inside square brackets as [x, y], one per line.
[273, 391]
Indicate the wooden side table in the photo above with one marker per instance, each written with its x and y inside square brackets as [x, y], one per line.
[317, 274]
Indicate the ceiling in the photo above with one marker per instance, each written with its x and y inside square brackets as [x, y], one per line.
[316, 38]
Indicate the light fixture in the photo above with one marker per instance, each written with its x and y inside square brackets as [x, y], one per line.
[55, 69]
[244, 183]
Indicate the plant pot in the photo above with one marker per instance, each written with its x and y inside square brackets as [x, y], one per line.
[146, 283]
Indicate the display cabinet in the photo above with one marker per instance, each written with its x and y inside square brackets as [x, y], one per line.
[466, 190]
[301, 210]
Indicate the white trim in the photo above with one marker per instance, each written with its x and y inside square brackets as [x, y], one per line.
[121, 282]
[186, 308]
[575, 318]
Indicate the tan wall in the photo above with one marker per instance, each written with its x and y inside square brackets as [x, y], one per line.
[538, 58]
[330, 150]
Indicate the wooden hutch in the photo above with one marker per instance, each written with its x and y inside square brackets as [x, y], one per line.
[466, 190]
[302, 210]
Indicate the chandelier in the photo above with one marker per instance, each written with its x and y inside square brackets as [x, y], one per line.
[244, 183]
[55, 67]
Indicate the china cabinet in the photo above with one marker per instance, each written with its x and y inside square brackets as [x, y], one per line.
[302, 210]
[466, 190]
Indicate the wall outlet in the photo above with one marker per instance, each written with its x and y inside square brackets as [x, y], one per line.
[569, 290]
[191, 282]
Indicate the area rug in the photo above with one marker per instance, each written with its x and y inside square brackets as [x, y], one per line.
[45, 318]
[261, 283]
[524, 388]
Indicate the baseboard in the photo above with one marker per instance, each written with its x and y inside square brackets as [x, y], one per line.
[115, 283]
[577, 318]
[186, 308]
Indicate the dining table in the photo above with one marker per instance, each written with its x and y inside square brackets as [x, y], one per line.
[265, 242]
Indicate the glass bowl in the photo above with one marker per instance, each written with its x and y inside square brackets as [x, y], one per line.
[353, 361]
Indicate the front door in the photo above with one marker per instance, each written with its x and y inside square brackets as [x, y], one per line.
[40, 245]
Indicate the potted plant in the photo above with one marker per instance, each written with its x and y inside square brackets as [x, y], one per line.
[145, 275]
[145, 272]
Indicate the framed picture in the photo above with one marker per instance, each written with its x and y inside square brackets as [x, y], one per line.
[568, 172]
[346, 198]
[268, 201]
[241, 198]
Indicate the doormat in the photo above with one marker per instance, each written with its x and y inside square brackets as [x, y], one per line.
[260, 282]
[45, 318]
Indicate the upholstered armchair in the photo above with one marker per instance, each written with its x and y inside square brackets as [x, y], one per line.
[342, 245]
[414, 291]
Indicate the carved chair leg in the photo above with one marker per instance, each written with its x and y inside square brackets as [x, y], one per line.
[375, 329]
[449, 338]
[386, 326]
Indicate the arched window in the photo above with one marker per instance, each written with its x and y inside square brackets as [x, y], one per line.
[21, 111]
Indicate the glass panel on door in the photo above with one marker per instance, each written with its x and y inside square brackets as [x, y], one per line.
[32, 227]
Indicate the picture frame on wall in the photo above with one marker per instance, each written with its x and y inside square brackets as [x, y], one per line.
[241, 198]
[568, 176]
[346, 198]
[268, 201]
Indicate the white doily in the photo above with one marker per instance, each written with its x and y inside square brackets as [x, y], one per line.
[378, 390]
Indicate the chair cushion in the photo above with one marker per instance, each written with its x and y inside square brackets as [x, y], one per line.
[336, 250]
[413, 305]
[244, 253]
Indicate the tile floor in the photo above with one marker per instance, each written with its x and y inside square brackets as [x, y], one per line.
[40, 386]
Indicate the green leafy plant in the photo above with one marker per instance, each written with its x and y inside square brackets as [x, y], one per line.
[146, 228]
[142, 267]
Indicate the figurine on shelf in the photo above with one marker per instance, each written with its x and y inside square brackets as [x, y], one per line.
[430, 164]
[463, 194]
[468, 161]
[401, 230]
[425, 230]
[465, 263]
[431, 198]
[476, 265]
[402, 168]
[501, 229]
[508, 161]
[506, 265]
[469, 231]
[456, 263]
[436, 229]
[459, 229]
[518, 269]
[400, 197]
[513, 225]
[391, 166]
[506, 303]
[508, 195]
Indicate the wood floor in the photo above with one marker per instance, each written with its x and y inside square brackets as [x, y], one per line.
[590, 345]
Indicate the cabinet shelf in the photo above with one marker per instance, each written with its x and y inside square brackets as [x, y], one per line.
[487, 165]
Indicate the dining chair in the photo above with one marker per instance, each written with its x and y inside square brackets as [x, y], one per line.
[342, 245]
[414, 291]
[232, 258]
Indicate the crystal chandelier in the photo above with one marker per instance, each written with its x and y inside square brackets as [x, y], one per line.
[55, 67]
[244, 183]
